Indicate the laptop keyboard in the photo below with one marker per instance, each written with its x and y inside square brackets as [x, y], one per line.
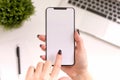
[109, 9]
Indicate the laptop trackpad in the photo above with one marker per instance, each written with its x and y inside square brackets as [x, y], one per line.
[112, 34]
[93, 24]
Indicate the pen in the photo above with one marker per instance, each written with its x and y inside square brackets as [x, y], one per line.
[18, 59]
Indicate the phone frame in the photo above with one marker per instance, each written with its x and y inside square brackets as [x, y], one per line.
[61, 8]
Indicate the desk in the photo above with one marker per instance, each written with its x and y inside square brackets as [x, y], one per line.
[103, 59]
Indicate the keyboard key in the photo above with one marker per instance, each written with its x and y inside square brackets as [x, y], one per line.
[111, 14]
[74, 3]
[93, 7]
[69, 1]
[118, 9]
[89, 0]
[98, 0]
[76, 0]
[102, 2]
[93, 2]
[101, 5]
[114, 20]
[115, 15]
[106, 4]
[106, 12]
[78, 5]
[119, 17]
[89, 5]
[85, 3]
[109, 17]
[81, 2]
[113, 2]
[118, 13]
[96, 12]
[110, 5]
[114, 7]
[109, 1]
[118, 4]
[83, 7]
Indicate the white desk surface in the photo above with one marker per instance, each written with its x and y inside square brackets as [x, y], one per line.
[103, 59]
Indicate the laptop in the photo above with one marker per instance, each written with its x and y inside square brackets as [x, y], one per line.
[98, 18]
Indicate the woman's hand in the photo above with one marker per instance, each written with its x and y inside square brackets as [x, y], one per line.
[79, 69]
[43, 70]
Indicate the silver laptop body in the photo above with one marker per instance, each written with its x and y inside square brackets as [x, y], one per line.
[99, 18]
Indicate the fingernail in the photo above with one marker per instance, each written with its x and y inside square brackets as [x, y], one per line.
[34, 70]
[60, 52]
[38, 35]
[78, 31]
[40, 45]
[40, 56]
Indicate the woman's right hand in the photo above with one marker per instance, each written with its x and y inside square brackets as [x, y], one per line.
[79, 70]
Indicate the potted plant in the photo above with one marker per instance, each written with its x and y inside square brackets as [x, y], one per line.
[14, 12]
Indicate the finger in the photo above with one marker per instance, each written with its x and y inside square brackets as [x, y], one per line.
[46, 69]
[79, 41]
[30, 73]
[43, 57]
[38, 70]
[43, 47]
[57, 65]
[81, 52]
[41, 37]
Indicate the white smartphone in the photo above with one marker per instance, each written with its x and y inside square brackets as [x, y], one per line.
[60, 28]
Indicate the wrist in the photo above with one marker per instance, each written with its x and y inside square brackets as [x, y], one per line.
[82, 76]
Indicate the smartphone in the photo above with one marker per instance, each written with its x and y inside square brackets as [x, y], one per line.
[60, 28]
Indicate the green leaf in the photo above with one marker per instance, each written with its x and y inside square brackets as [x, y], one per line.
[14, 12]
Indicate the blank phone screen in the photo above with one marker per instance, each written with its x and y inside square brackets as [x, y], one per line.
[60, 34]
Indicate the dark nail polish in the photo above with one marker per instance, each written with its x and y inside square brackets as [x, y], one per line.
[78, 31]
[40, 56]
[40, 45]
[60, 52]
[38, 35]
[34, 70]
